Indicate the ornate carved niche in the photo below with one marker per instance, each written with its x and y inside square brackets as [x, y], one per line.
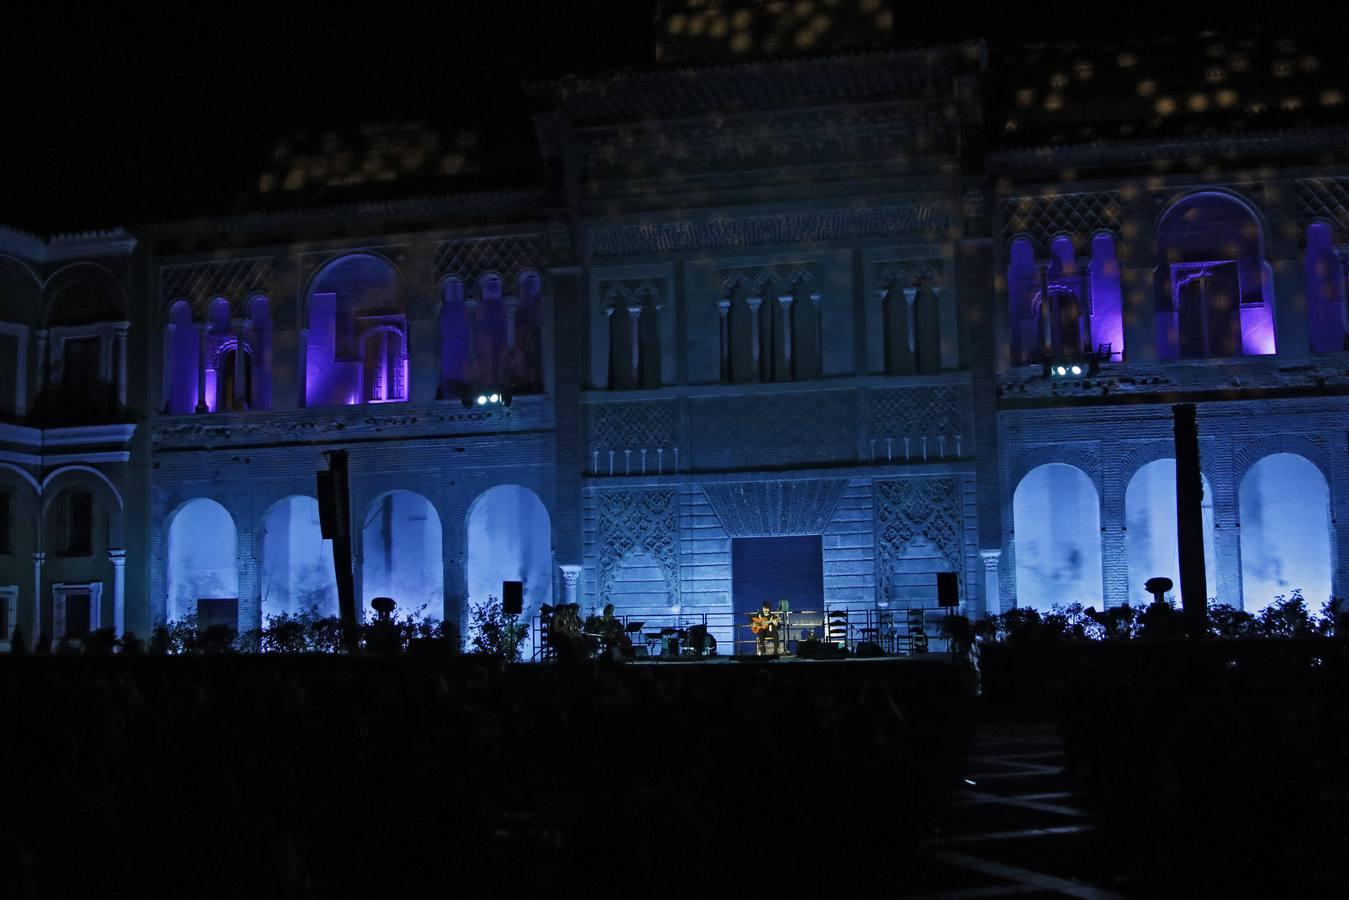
[908, 509]
[645, 521]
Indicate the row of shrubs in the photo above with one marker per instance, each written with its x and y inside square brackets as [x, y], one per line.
[1286, 617]
[303, 632]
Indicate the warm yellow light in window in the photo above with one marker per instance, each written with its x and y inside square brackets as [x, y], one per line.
[1127, 60]
[1215, 75]
[1054, 102]
[1197, 103]
[1165, 105]
[1058, 81]
[1083, 70]
[1289, 104]
[1225, 98]
[1147, 87]
[1331, 97]
[676, 24]
[1025, 97]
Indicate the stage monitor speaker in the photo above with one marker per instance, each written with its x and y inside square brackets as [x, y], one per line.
[948, 590]
[869, 649]
[512, 597]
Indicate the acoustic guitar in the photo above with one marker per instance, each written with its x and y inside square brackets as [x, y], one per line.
[759, 623]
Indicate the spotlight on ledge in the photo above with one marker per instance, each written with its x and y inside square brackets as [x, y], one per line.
[484, 396]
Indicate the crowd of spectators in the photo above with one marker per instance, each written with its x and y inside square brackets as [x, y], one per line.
[319, 776]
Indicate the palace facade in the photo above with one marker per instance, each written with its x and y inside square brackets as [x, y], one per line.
[815, 329]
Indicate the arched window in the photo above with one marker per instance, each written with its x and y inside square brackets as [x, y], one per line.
[1061, 307]
[524, 337]
[454, 343]
[1057, 525]
[1107, 309]
[634, 335]
[1214, 292]
[1150, 529]
[1286, 539]
[349, 300]
[1327, 313]
[259, 329]
[182, 345]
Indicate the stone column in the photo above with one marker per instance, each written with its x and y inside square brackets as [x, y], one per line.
[42, 334]
[724, 309]
[785, 301]
[250, 599]
[202, 331]
[635, 342]
[754, 303]
[302, 369]
[471, 314]
[240, 368]
[570, 575]
[38, 559]
[118, 558]
[119, 332]
[512, 305]
[911, 322]
[992, 587]
[816, 298]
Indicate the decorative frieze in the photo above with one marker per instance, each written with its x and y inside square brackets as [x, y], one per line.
[509, 256]
[915, 220]
[1045, 217]
[234, 279]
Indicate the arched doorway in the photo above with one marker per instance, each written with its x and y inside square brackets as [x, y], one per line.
[401, 554]
[1285, 532]
[297, 563]
[1057, 522]
[1150, 542]
[510, 539]
[203, 562]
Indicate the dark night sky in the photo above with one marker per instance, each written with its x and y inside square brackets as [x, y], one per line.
[116, 119]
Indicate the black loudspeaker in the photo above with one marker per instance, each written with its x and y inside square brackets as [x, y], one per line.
[948, 590]
[868, 649]
[512, 597]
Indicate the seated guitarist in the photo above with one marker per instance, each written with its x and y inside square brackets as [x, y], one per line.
[766, 625]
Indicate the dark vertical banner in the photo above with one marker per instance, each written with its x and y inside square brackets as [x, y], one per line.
[1190, 520]
[335, 522]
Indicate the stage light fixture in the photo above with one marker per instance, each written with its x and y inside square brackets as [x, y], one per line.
[495, 398]
[482, 399]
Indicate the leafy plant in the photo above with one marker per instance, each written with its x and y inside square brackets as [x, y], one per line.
[494, 633]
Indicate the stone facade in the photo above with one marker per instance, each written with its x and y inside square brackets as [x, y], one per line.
[803, 327]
